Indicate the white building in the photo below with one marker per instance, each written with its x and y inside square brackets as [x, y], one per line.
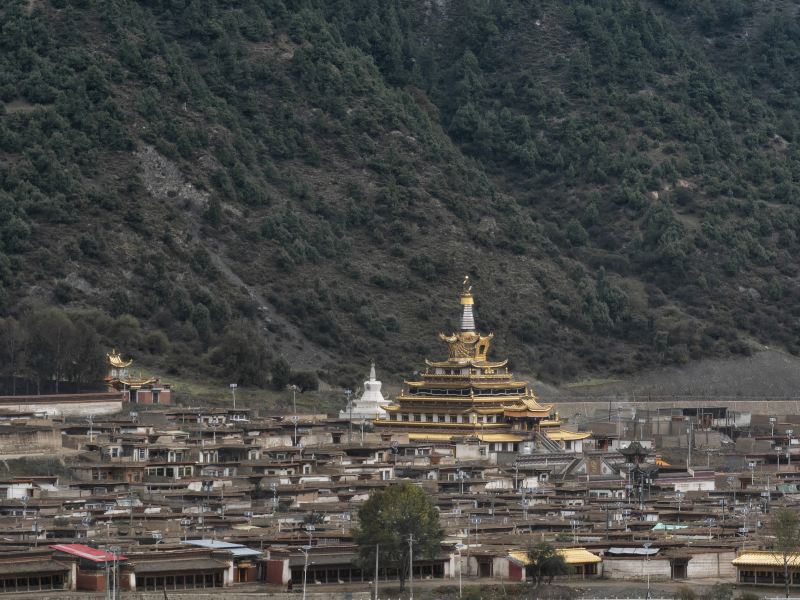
[370, 405]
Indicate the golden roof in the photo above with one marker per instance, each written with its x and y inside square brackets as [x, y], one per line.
[467, 348]
[499, 437]
[572, 556]
[529, 404]
[115, 360]
[567, 436]
[432, 437]
[133, 382]
[764, 558]
[466, 362]
[467, 381]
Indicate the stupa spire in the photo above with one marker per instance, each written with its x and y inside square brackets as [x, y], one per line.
[466, 300]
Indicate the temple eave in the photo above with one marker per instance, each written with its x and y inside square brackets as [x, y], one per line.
[454, 363]
[499, 400]
[474, 382]
[429, 425]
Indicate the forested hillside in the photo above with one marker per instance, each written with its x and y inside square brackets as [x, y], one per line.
[238, 187]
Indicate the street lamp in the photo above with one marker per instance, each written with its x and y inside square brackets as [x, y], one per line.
[348, 393]
[647, 565]
[233, 387]
[185, 523]
[305, 550]
[679, 497]
[789, 433]
[459, 547]
[411, 567]
[772, 425]
[293, 387]
[377, 568]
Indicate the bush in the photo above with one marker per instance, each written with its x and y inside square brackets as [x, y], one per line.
[685, 593]
[306, 381]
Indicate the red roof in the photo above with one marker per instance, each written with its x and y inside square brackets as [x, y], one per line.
[87, 552]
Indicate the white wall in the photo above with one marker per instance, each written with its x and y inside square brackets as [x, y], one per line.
[716, 564]
[636, 568]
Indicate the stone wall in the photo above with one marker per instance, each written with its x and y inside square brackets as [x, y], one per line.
[223, 593]
[712, 565]
[636, 568]
[600, 407]
[21, 440]
[66, 405]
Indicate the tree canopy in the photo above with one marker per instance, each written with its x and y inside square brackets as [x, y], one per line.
[545, 563]
[300, 164]
[389, 519]
[786, 531]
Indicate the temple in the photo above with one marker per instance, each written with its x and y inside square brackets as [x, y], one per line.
[370, 405]
[468, 395]
[139, 390]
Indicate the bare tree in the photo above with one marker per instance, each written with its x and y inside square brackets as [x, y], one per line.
[786, 529]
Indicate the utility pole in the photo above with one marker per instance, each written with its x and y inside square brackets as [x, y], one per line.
[647, 565]
[305, 550]
[348, 392]
[377, 570]
[410, 567]
[458, 549]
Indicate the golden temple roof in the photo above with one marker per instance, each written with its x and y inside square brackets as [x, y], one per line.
[572, 556]
[762, 558]
[567, 436]
[115, 360]
[529, 404]
[466, 362]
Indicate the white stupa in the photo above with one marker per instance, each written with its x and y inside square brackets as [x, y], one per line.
[370, 405]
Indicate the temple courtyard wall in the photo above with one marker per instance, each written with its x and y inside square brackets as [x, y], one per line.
[64, 405]
[602, 406]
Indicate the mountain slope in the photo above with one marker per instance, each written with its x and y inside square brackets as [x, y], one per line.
[326, 172]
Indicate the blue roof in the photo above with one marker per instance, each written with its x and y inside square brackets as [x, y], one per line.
[235, 549]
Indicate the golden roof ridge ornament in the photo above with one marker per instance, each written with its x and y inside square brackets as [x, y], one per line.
[467, 301]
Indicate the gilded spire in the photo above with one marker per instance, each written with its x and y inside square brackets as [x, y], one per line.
[466, 300]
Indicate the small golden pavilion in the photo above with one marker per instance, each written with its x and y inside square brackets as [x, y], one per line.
[468, 395]
[141, 390]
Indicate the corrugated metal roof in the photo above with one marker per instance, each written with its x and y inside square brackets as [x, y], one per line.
[87, 552]
[633, 551]
[168, 565]
[235, 549]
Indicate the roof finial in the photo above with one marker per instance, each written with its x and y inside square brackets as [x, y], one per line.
[466, 300]
[372, 376]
